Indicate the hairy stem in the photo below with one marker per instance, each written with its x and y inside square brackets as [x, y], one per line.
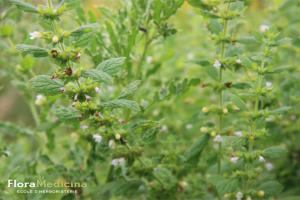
[110, 171]
[148, 42]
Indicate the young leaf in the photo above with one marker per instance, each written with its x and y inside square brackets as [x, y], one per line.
[193, 153]
[258, 35]
[46, 24]
[142, 125]
[70, 4]
[270, 188]
[44, 85]
[198, 61]
[246, 62]
[282, 41]
[278, 69]
[215, 26]
[274, 152]
[27, 63]
[122, 103]
[279, 111]
[98, 76]
[24, 6]
[236, 6]
[85, 29]
[247, 40]
[6, 31]
[238, 102]
[228, 186]
[233, 51]
[235, 141]
[129, 90]
[212, 72]
[260, 123]
[36, 51]
[150, 135]
[111, 66]
[67, 115]
[206, 15]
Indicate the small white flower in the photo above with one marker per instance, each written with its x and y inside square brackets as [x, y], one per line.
[88, 98]
[164, 129]
[183, 183]
[110, 88]
[121, 161]
[39, 97]
[115, 162]
[238, 61]
[156, 169]
[97, 138]
[234, 159]
[217, 64]
[62, 89]
[238, 133]
[239, 196]
[155, 112]
[36, 34]
[263, 28]
[292, 117]
[75, 98]
[54, 119]
[189, 126]
[97, 90]
[7, 152]
[55, 39]
[269, 166]
[112, 144]
[39, 100]
[84, 127]
[218, 138]
[261, 159]
[118, 136]
[268, 84]
[149, 59]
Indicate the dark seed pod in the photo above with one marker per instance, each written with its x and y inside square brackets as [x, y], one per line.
[68, 71]
[228, 84]
[143, 29]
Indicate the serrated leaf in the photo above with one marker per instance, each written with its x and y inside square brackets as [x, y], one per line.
[274, 152]
[233, 51]
[129, 90]
[212, 72]
[238, 102]
[206, 14]
[68, 115]
[270, 188]
[236, 6]
[46, 24]
[24, 6]
[279, 111]
[44, 85]
[215, 26]
[84, 40]
[282, 41]
[246, 62]
[279, 69]
[142, 125]
[215, 179]
[111, 66]
[85, 29]
[36, 51]
[122, 103]
[150, 135]
[247, 40]
[98, 76]
[260, 123]
[198, 61]
[70, 4]
[193, 153]
[235, 141]
[228, 186]
[273, 30]
[258, 35]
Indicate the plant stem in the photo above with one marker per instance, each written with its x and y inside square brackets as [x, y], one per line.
[110, 171]
[33, 111]
[221, 92]
[253, 124]
[142, 163]
[148, 42]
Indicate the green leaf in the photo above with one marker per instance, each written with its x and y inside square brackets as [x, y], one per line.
[198, 61]
[36, 51]
[46, 24]
[67, 115]
[111, 66]
[3, 46]
[6, 31]
[279, 69]
[238, 102]
[13, 173]
[236, 6]
[282, 41]
[212, 72]
[228, 186]
[18, 84]
[247, 40]
[273, 29]
[193, 153]
[150, 135]
[122, 103]
[215, 179]
[246, 62]
[142, 125]
[194, 81]
[46, 126]
[129, 90]
[235, 141]
[206, 14]
[215, 26]
[279, 111]
[258, 35]
[27, 63]
[274, 152]
[260, 123]
[46, 160]
[84, 40]
[98, 76]
[44, 85]
[233, 51]
[70, 4]
[270, 188]
[24, 6]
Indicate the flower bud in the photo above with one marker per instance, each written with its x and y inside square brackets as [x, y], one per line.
[227, 195]
[205, 109]
[121, 121]
[118, 136]
[97, 90]
[203, 129]
[73, 104]
[79, 117]
[261, 159]
[251, 137]
[213, 134]
[78, 56]
[88, 98]
[36, 34]
[248, 198]
[62, 89]
[55, 39]
[225, 111]
[260, 193]
[96, 113]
